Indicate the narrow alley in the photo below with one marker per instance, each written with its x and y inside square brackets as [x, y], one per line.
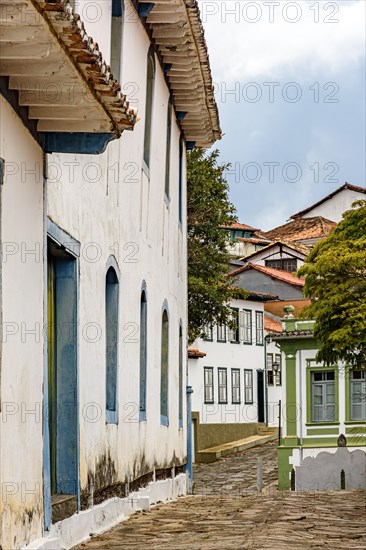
[226, 512]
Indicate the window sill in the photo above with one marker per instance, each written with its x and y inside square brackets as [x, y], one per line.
[234, 342]
[335, 423]
[223, 403]
[355, 422]
[221, 341]
[236, 402]
[209, 402]
[142, 416]
[248, 403]
[164, 420]
[247, 343]
[111, 417]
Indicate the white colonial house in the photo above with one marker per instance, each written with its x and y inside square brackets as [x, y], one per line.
[93, 272]
[335, 204]
[236, 375]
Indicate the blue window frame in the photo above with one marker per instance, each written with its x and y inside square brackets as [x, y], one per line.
[111, 325]
[116, 38]
[143, 354]
[164, 372]
[149, 108]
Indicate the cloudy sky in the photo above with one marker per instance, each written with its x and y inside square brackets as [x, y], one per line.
[290, 86]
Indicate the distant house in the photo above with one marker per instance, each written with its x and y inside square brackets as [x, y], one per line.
[243, 239]
[333, 205]
[307, 231]
[323, 407]
[227, 372]
[269, 280]
[279, 255]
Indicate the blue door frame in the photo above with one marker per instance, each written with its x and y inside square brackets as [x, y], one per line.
[65, 253]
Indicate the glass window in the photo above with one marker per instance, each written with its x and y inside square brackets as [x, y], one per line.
[246, 323]
[323, 396]
[358, 395]
[164, 378]
[222, 374]
[208, 333]
[286, 264]
[235, 386]
[278, 359]
[234, 333]
[111, 321]
[221, 333]
[180, 190]
[208, 384]
[180, 361]
[269, 369]
[248, 386]
[259, 328]
[167, 153]
[149, 108]
[143, 354]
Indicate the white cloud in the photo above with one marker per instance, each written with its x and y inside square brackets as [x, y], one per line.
[240, 50]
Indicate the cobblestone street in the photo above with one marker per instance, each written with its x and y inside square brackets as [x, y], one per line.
[226, 513]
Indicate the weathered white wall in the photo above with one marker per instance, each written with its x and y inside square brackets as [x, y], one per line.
[21, 444]
[227, 355]
[333, 208]
[110, 202]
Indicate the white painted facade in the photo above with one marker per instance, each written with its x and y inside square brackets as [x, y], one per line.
[110, 209]
[276, 252]
[333, 208]
[228, 355]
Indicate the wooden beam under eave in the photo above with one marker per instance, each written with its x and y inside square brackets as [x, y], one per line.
[64, 113]
[21, 51]
[74, 126]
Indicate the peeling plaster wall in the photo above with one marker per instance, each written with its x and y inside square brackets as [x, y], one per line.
[21, 394]
[110, 206]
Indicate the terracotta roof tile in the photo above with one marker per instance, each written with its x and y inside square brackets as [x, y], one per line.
[270, 325]
[279, 274]
[302, 229]
[237, 225]
[195, 354]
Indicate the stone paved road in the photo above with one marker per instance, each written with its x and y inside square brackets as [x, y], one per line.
[233, 516]
[236, 474]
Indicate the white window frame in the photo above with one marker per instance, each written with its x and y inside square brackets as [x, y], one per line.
[259, 328]
[222, 385]
[208, 385]
[248, 386]
[247, 327]
[235, 387]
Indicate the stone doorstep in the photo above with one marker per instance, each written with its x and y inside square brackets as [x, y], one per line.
[213, 453]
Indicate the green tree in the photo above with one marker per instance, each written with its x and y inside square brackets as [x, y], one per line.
[335, 281]
[208, 208]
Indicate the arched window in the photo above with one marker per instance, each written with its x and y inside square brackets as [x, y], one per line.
[168, 141]
[143, 354]
[116, 38]
[180, 190]
[111, 355]
[149, 107]
[180, 374]
[164, 376]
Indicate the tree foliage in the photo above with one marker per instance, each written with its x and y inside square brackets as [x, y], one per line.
[335, 281]
[208, 208]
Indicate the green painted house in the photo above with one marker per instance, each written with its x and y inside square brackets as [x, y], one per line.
[319, 404]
